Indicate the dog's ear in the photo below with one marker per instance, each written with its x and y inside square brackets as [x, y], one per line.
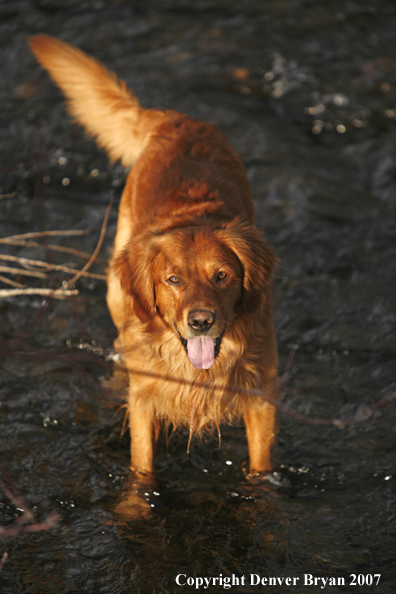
[134, 268]
[257, 259]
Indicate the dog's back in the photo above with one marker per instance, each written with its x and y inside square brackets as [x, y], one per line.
[193, 161]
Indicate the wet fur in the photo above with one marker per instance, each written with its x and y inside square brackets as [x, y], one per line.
[187, 199]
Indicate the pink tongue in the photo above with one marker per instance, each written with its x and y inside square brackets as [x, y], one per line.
[200, 351]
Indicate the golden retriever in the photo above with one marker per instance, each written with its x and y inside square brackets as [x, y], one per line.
[189, 286]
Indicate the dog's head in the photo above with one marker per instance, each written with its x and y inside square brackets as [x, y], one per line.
[197, 279]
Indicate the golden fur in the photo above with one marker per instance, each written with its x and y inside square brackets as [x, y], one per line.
[190, 280]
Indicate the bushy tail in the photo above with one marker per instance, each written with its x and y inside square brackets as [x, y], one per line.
[97, 99]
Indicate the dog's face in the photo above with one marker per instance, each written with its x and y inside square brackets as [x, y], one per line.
[198, 285]
[197, 280]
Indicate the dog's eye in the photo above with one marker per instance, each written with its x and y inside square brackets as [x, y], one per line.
[173, 279]
[221, 275]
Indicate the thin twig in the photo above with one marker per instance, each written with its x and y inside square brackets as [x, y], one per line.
[10, 282]
[56, 293]
[84, 272]
[3, 196]
[49, 246]
[7, 349]
[50, 522]
[20, 525]
[40, 264]
[3, 560]
[44, 234]
[21, 272]
[15, 498]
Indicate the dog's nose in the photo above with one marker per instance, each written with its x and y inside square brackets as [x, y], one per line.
[199, 319]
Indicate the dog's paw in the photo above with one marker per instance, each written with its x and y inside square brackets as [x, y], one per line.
[266, 477]
[136, 499]
[132, 506]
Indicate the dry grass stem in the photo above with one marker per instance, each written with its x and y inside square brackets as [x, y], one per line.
[34, 268]
[3, 560]
[43, 234]
[8, 281]
[20, 272]
[25, 522]
[55, 293]
[48, 246]
[92, 259]
[27, 262]
[49, 523]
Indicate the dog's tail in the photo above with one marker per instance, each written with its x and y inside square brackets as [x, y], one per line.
[98, 100]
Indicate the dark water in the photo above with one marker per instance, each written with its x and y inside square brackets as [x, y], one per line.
[306, 91]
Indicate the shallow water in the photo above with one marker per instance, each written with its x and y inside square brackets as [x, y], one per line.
[306, 92]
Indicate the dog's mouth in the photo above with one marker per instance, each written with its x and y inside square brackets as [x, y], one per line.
[202, 350]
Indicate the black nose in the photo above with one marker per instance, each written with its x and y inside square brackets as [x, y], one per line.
[199, 319]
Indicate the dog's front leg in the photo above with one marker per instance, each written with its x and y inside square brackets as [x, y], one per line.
[144, 431]
[261, 430]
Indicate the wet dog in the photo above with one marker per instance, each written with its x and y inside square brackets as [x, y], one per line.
[189, 286]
